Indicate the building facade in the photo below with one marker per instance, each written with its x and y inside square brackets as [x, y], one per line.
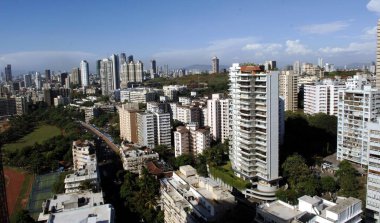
[255, 127]
[85, 73]
[288, 90]
[128, 122]
[356, 108]
[215, 65]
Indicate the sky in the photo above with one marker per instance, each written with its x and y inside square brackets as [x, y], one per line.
[57, 35]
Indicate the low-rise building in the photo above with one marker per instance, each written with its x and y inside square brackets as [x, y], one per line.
[310, 209]
[134, 159]
[60, 203]
[83, 154]
[74, 181]
[191, 139]
[188, 197]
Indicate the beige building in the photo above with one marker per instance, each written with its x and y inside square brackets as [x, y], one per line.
[134, 159]
[128, 122]
[288, 90]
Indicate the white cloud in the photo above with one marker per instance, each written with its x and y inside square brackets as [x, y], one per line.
[294, 47]
[374, 6]
[356, 48]
[40, 60]
[324, 28]
[265, 48]
[369, 33]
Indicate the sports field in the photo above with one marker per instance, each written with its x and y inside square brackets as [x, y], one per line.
[41, 190]
[40, 134]
[18, 186]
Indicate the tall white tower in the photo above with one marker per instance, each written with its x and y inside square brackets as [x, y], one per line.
[255, 130]
[84, 73]
[378, 56]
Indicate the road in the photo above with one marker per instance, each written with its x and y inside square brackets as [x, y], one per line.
[106, 139]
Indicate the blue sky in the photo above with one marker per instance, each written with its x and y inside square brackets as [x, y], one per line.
[41, 34]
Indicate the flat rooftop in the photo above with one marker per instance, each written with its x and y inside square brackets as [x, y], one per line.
[281, 210]
[97, 214]
[342, 205]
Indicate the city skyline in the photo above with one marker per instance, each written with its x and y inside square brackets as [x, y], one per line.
[186, 33]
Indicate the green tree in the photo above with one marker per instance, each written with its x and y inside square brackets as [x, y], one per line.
[182, 160]
[347, 179]
[289, 195]
[329, 184]
[295, 170]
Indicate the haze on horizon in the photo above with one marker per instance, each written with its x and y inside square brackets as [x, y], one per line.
[57, 35]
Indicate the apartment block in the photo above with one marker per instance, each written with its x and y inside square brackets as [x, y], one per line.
[322, 97]
[128, 122]
[288, 90]
[373, 177]
[181, 141]
[356, 108]
[218, 117]
[134, 159]
[188, 197]
[255, 128]
[191, 139]
[310, 209]
[83, 154]
[153, 129]
[139, 95]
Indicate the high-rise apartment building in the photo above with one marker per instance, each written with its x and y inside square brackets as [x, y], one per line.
[131, 72]
[215, 65]
[373, 177]
[145, 126]
[28, 80]
[322, 97]
[21, 105]
[106, 77]
[162, 128]
[218, 117]
[297, 68]
[128, 122]
[47, 76]
[154, 129]
[288, 89]
[356, 108]
[38, 81]
[8, 73]
[153, 68]
[378, 56]
[115, 71]
[255, 127]
[123, 58]
[75, 77]
[85, 72]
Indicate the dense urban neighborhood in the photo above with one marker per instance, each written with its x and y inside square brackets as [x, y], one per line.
[247, 142]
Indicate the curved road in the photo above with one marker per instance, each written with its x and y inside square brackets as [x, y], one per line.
[102, 136]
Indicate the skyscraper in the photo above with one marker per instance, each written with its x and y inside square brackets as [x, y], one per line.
[115, 71]
[47, 76]
[123, 58]
[255, 128]
[106, 76]
[288, 89]
[130, 58]
[37, 81]
[378, 56]
[76, 76]
[8, 73]
[98, 67]
[84, 71]
[297, 68]
[215, 65]
[153, 68]
[28, 80]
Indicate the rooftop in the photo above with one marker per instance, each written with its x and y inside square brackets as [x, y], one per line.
[343, 204]
[96, 214]
[281, 210]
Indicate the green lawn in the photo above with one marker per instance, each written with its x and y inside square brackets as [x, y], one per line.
[226, 174]
[40, 134]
